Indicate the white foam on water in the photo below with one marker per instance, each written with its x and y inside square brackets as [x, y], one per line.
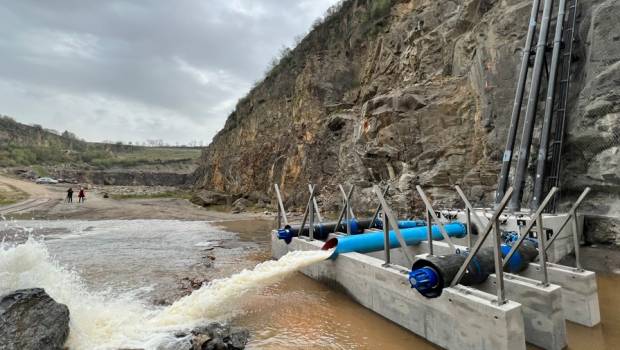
[101, 320]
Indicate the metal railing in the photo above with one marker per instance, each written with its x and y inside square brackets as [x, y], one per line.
[390, 221]
[344, 213]
[431, 215]
[536, 218]
[572, 217]
[281, 210]
[493, 224]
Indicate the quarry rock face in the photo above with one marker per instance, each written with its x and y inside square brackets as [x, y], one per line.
[418, 93]
[30, 319]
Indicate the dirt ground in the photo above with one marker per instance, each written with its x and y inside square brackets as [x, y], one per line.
[48, 202]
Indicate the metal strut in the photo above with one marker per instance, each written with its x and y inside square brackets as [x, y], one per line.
[430, 213]
[316, 206]
[281, 211]
[572, 216]
[391, 221]
[376, 212]
[493, 224]
[309, 212]
[344, 211]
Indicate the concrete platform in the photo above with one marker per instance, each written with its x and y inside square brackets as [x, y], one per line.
[562, 246]
[542, 307]
[461, 318]
[579, 291]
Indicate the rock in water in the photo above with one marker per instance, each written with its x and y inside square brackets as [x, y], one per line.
[216, 336]
[31, 319]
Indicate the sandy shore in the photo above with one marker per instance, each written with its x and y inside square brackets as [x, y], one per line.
[47, 202]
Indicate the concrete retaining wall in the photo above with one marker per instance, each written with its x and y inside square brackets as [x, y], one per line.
[461, 318]
[543, 316]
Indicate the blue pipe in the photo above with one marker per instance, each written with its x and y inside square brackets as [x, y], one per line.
[403, 223]
[322, 230]
[370, 242]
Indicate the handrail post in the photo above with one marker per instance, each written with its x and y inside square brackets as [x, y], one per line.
[311, 219]
[280, 207]
[576, 240]
[347, 218]
[572, 212]
[308, 208]
[279, 220]
[499, 269]
[394, 223]
[530, 224]
[429, 232]
[468, 223]
[468, 205]
[376, 214]
[431, 211]
[542, 241]
[316, 206]
[344, 208]
[351, 213]
[482, 238]
[386, 239]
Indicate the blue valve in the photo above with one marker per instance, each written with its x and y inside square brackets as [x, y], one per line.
[511, 237]
[423, 279]
[285, 234]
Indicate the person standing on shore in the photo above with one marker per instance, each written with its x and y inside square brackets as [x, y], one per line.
[81, 195]
[70, 195]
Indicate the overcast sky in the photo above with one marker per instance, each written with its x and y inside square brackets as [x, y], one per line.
[137, 70]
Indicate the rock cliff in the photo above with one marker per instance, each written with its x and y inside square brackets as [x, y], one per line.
[417, 92]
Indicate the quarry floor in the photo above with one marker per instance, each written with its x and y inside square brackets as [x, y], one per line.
[274, 324]
[47, 202]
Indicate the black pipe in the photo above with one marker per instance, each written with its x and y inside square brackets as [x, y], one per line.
[322, 230]
[516, 107]
[530, 114]
[431, 274]
[541, 165]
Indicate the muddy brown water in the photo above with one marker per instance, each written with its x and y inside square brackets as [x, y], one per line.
[300, 313]
[151, 256]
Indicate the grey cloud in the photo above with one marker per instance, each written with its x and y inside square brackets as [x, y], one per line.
[158, 69]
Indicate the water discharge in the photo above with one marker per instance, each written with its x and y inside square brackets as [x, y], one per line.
[100, 320]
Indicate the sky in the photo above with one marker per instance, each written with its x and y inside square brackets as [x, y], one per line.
[140, 70]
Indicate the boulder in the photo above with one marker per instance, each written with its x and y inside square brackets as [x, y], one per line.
[207, 198]
[240, 205]
[214, 336]
[31, 319]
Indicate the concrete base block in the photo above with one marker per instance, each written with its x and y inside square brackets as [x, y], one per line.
[461, 318]
[579, 287]
[543, 315]
[579, 291]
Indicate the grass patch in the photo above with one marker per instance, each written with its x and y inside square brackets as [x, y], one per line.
[11, 195]
[41, 172]
[98, 155]
[165, 194]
